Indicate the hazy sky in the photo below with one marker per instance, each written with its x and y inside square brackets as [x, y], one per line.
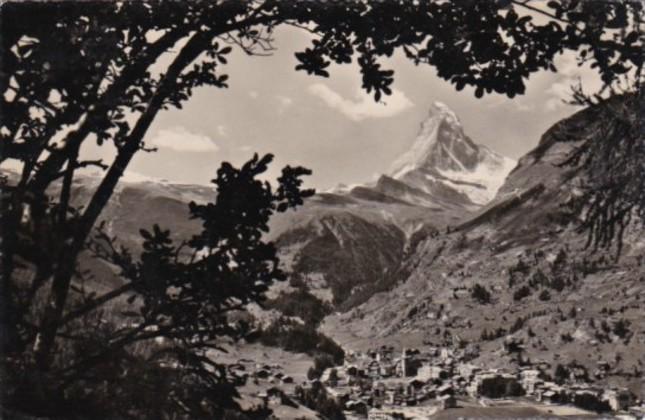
[328, 124]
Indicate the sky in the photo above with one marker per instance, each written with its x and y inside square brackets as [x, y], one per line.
[329, 125]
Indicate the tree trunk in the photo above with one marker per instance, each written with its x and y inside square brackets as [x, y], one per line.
[57, 158]
[67, 260]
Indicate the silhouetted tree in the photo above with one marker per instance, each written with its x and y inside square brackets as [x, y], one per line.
[79, 72]
[621, 328]
[521, 293]
[480, 293]
[179, 293]
[544, 295]
[561, 374]
[611, 187]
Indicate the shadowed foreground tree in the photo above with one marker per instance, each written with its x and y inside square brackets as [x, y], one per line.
[79, 72]
[174, 300]
[612, 186]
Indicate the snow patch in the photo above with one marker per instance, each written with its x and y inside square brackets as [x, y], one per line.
[491, 174]
[442, 155]
[422, 146]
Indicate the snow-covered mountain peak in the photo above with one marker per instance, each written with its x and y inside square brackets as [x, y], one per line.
[442, 153]
[439, 109]
[442, 168]
[440, 144]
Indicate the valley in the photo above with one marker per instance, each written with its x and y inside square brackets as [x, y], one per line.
[457, 249]
[322, 210]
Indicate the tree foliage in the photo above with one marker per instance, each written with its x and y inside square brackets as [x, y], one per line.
[301, 303]
[79, 72]
[317, 399]
[480, 294]
[300, 338]
[174, 302]
[612, 183]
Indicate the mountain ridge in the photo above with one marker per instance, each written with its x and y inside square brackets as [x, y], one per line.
[443, 153]
[345, 241]
[436, 186]
[548, 293]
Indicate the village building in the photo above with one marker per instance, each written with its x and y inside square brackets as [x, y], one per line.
[588, 399]
[467, 370]
[359, 407]
[447, 401]
[274, 397]
[352, 370]
[530, 379]
[446, 353]
[619, 400]
[578, 374]
[603, 366]
[550, 392]
[377, 382]
[550, 396]
[431, 372]
[384, 415]
[495, 385]
[387, 370]
[373, 369]
[424, 373]
[446, 389]
[403, 366]
[286, 379]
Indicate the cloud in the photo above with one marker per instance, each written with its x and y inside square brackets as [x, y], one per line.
[524, 107]
[284, 102]
[568, 75]
[222, 131]
[363, 105]
[180, 139]
[502, 102]
[554, 103]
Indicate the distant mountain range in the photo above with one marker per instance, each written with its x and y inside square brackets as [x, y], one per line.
[351, 242]
[444, 167]
[354, 240]
[558, 301]
[443, 158]
[399, 257]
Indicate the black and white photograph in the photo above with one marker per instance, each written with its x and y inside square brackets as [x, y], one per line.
[322, 209]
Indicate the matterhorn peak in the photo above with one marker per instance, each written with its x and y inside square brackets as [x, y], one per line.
[441, 129]
[443, 153]
[441, 110]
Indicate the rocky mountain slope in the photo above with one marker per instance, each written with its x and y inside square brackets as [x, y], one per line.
[443, 160]
[349, 243]
[543, 290]
[139, 203]
[402, 258]
[354, 240]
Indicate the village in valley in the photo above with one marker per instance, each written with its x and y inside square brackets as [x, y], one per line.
[391, 384]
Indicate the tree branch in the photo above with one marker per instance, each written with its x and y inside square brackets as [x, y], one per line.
[58, 157]
[526, 5]
[68, 256]
[96, 302]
